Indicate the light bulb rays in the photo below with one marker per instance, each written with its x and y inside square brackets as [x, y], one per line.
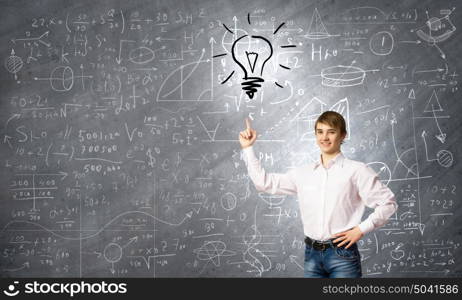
[251, 53]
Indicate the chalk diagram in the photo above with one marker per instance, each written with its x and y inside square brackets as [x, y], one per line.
[34, 40]
[408, 161]
[272, 200]
[317, 30]
[342, 76]
[14, 64]
[433, 106]
[112, 252]
[443, 157]
[251, 53]
[397, 253]
[437, 30]
[33, 43]
[405, 161]
[141, 55]
[228, 201]
[181, 84]
[212, 251]
[381, 43]
[97, 231]
[37, 187]
[62, 78]
[252, 255]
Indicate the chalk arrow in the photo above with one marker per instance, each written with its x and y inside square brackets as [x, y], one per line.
[293, 259]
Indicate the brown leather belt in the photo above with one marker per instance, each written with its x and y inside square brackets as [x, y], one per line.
[317, 245]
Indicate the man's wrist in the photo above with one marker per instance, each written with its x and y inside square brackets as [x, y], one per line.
[366, 226]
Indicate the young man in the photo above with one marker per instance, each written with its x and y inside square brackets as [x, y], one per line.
[332, 193]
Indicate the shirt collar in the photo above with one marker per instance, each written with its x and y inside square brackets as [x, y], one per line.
[338, 159]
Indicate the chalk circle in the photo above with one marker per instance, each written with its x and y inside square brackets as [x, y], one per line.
[272, 200]
[381, 43]
[13, 64]
[112, 252]
[62, 79]
[342, 76]
[445, 158]
[141, 55]
[228, 201]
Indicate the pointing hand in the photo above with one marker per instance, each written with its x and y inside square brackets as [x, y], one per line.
[248, 136]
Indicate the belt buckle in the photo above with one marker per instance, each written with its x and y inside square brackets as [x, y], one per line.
[319, 246]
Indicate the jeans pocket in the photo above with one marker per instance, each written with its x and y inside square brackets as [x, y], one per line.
[350, 254]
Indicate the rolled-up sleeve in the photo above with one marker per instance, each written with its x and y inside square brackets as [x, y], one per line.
[272, 183]
[377, 196]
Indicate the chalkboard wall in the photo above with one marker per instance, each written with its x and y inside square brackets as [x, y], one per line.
[120, 121]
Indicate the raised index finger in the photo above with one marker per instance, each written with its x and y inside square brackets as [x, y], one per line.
[247, 123]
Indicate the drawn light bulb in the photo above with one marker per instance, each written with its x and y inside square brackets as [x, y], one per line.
[252, 63]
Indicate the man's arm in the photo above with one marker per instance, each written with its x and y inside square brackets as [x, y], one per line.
[272, 183]
[375, 195]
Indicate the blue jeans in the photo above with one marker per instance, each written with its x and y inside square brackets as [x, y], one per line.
[333, 262]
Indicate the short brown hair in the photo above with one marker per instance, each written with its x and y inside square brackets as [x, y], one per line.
[333, 119]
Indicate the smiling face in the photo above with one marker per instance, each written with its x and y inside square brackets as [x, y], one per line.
[328, 138]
